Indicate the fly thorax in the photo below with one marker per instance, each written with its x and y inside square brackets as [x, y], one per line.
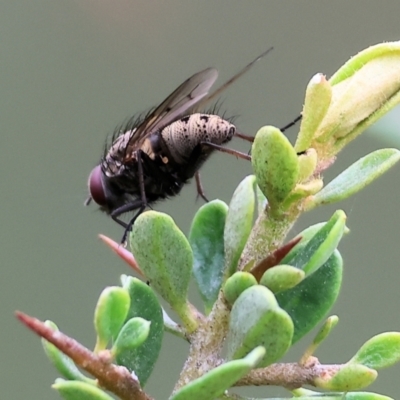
[182, 136]
[113, 161]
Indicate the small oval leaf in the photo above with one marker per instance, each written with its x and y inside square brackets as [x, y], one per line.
[65, 366]
[337, 396]
[316, 104]
[144, 304]
[207, 241]
[257, 320]
[239, 222]
[350, 377]
[325, 330]
[381, 351]
[132, 335]
[110, 314]
[165, 257]
[275, 164]
[238, 283]
[75, 390]
[309, 232]
[320, 247]
[310, 301]
[215, 382]
[282, 277]
[357, 176]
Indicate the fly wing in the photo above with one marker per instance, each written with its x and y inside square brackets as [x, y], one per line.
[218, 91]
[192, 92]
[175, 105]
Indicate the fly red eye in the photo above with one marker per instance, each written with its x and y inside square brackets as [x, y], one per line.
[96, 188]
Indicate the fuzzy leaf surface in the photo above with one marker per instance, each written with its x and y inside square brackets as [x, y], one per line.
[357, 176]
[341, 396]
[275, 164]
[144, 304]
[76, 390]
[65, 366]
[257, 320]
[110, 314]
[207, 241]
[310, 301]
[132, 335]
[239, 222]
[238, 283]
[351, 376]
[164, 255]
[320, 247]
[381, 351]
[215, 382]
[282, 277]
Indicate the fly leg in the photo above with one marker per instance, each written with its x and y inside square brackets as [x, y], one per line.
[140, 204]
[143, 197]
[247, 138]
[236, 153]
[125, 208]
[196, 159]
[199, 187]
[290, 124]
[283, 129]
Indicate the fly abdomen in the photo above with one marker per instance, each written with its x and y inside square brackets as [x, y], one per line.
[182, 136]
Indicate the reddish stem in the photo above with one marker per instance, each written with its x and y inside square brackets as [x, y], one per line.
[117, 379]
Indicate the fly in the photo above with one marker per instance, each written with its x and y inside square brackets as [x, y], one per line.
[151, 159]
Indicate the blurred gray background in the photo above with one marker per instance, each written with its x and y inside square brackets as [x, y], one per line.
[72, 70]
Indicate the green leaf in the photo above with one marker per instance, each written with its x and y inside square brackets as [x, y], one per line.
[75, 390]
[261, 200]
[363, 90]
[325, 330]
[207, 241]
[310, 301]
[238, 283]
[144, 304]
[357, 176]
[239, 223]
[172, 327]
[257, 320]
[165, 257]
[132, 335]
[309, 232]
[303, 190]
[316, 104]
[364, 396]
[282, 277]
[351, 376]
[311, 395]
[275, 164]
[65, 366]
[320, 247]
[322, 334]
[307, 163]
[381, 351]
[111, 311]
[215, 382]
[357, 62]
